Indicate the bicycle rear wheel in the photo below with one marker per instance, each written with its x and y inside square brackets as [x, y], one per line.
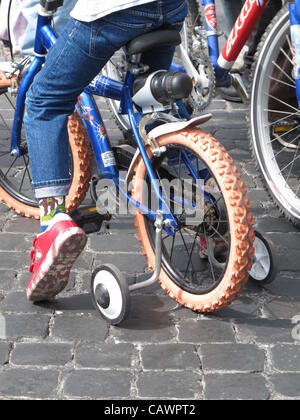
[15, 176]
[205, 264]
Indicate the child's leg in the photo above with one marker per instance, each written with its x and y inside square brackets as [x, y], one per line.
[79, 55]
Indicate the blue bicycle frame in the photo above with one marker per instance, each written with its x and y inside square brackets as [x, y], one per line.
[91, 118]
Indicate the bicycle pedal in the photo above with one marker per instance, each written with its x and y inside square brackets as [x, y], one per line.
[283, 129]
[88, 218]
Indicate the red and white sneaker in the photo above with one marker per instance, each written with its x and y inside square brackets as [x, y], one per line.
[54, 254]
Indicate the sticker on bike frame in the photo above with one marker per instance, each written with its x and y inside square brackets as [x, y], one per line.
[211, 18]
[108, 159]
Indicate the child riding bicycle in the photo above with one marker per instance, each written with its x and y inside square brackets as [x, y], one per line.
[95, 32]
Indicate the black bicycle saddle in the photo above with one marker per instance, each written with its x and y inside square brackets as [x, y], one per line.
[153, 41]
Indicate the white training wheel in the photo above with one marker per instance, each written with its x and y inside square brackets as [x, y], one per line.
[110, 294]
[264, 267]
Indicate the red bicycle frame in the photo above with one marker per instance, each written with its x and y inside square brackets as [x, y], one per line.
[245, 24]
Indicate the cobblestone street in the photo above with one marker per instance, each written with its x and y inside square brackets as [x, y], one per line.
[64, 350]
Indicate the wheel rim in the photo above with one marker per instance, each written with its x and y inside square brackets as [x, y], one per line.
[279, 164]
[262, 261]
[109, 283]
[196, 258]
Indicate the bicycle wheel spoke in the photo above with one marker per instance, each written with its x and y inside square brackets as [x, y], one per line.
[275, 111]
[283, 72]
[26, 168]
[287, 166]
[291, 168]
[286, 147]
[10, 102]
[191, 254]
[14, 161]
[281, 119]
[186, 248]
[192, 167]
[287, 56]
[22, 182]
[282, 102]
[281, 81]
[172, 249]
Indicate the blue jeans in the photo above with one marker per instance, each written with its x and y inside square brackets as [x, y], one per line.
[79, 55]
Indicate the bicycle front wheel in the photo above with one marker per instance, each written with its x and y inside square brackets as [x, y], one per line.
[207, 261]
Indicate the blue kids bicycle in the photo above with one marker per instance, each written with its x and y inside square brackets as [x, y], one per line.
[192, 213]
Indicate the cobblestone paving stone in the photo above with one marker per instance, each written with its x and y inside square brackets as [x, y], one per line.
[64, 350]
